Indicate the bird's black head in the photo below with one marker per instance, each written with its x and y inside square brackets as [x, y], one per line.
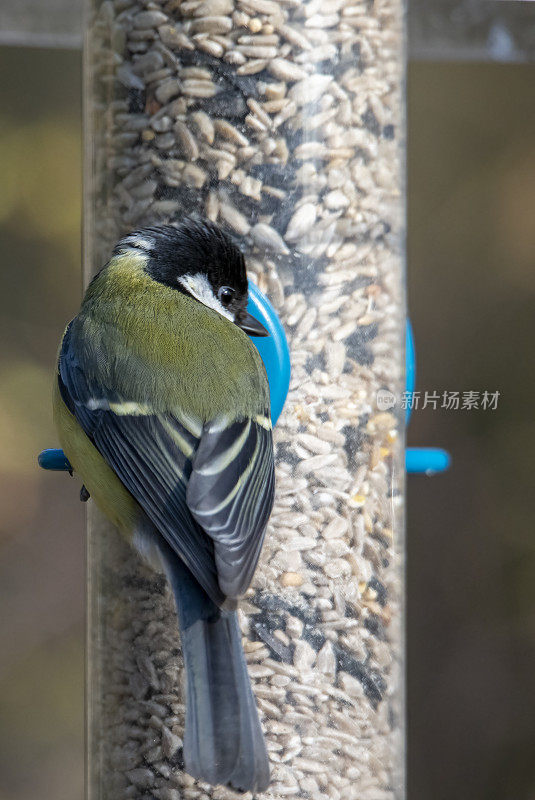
[198, 258]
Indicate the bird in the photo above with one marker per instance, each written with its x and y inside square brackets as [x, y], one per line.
[161, 403]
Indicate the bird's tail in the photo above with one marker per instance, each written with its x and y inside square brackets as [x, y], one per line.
[223, 742]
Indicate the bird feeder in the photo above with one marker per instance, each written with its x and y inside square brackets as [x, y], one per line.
[281, 121]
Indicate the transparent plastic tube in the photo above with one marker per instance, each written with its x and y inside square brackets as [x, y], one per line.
[281, 121]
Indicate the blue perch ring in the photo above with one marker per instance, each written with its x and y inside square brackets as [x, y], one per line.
[273, 349]
[419, 460]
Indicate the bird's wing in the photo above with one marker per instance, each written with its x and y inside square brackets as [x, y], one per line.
[152, 455]
[207, 489]
[230, 494]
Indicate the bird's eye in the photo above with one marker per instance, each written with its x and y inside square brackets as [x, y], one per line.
[225, 295]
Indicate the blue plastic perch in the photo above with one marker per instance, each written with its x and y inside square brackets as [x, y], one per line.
[419, 460]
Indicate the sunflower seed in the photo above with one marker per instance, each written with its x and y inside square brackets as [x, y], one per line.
[197, 88]
[256, 51]
[194, 176]
[210, 24]
[228, 131]
[310, 89]
[204, 126]
[304, 656]
[167, 90]
[267, 238]
[149, 19]
[233, 218]
[301, 222]
[286, 70]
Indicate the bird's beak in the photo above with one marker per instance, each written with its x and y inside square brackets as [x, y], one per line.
[250, 325]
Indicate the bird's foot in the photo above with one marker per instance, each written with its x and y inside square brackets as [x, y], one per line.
[84, 495]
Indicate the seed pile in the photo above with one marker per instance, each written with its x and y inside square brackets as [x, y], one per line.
[280, 121]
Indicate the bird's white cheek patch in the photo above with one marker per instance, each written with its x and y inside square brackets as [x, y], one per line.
[200, 288]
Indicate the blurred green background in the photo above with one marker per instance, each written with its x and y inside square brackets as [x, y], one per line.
[471, 576]
[471, 593]
[41, 518]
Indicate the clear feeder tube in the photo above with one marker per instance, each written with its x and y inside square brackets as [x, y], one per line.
[282, 121]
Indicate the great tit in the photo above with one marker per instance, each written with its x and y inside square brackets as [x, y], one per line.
[162, 407]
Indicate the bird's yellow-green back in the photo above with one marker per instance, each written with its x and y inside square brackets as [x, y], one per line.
[159, 347]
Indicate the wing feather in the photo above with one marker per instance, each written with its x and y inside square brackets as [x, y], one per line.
[207, 489]
[230, 494]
